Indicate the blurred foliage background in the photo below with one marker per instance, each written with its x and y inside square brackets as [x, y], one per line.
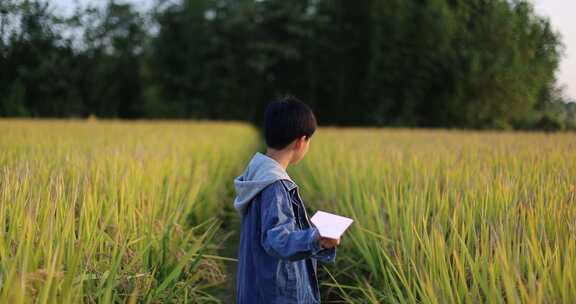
[417, 63]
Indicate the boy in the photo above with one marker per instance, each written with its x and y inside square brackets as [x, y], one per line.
[279, 249]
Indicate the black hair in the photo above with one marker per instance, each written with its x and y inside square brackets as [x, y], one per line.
[286, 119]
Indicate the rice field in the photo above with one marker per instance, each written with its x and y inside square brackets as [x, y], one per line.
[448, 216]
[140, 212]
[103, 212]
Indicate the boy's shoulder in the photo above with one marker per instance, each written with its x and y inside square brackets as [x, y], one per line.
[287, 184]
[281, 185]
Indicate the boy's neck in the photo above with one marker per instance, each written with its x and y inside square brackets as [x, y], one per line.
[281, 156]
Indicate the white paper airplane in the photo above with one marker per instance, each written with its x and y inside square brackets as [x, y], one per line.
[330, 225]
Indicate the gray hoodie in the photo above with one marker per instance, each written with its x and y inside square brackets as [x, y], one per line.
[261, 172]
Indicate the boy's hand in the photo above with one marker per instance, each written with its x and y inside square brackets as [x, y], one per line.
[329, 243]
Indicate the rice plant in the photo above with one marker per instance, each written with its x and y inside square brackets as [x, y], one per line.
[114, 211]
[448, 216]
[110, 211]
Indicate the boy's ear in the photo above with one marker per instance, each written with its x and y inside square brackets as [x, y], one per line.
[297, 142]
[302, 140]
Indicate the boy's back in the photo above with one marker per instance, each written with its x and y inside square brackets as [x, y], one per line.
[278, 248]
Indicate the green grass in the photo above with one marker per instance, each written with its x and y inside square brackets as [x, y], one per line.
[110, 211]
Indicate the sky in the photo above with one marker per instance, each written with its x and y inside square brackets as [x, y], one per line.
[562, 15]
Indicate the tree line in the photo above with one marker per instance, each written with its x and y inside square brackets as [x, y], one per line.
[416, 63]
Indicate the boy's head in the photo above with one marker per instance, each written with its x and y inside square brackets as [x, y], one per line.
[288, 125]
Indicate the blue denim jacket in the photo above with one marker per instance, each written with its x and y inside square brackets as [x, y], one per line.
[279, 249]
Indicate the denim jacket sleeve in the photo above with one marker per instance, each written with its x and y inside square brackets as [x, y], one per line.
[280, 236]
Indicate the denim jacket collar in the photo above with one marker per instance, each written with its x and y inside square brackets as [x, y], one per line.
[289, 185]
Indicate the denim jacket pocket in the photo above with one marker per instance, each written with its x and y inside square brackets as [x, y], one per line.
[286, 279]
[297, 216]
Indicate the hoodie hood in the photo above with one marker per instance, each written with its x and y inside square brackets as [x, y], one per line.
[261, 172]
